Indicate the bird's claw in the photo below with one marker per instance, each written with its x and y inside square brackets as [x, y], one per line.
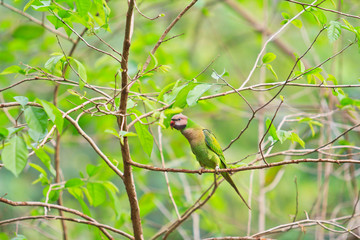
[201, 170]
[217, 170]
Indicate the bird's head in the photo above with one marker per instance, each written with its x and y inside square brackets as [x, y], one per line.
[178, 121]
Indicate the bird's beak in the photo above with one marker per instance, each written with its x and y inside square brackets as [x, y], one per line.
[172, 124]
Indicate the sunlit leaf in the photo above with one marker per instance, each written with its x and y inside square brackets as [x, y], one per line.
[283, 135]
[145, 137]
[22, 100]
[83, 7]
[12, 69]
[272, 129]
[296, 138]
[333, 31]
[97, 192]
[195, 93]
[297, 23]
[82, 74]
[181, 97]
[319, 16]
[37, 121]
[51, 63]
[53, 113]
[52, 195]
[39, 169]
[74, 182]
[45, 159]
[14, 155]
[77, 193]
[28, 5]
[268, 57]
[268, 66]
[3, 133]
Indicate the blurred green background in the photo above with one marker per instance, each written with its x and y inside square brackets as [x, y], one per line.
[214, 32]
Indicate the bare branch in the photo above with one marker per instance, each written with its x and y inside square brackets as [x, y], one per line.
[167, 30]
[53, 217]
[325, 9]
[49, 206]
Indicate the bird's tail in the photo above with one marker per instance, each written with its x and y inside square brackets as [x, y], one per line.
[227, 177]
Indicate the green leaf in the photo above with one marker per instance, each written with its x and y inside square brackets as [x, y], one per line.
[348, 26]
[45, 6]
[195, 93]
[22, 100]
[53, 113]
[319, 16]
[313, 71]
[12, 69]
[19, 237]
[283, 135]
[165, 90]
[28, 5]
[51, 63]
[82, 74]
[346, 101]
[332, 78]
[155, 60]
[74, 183]
[181, 97]
[91, 170]
[285, 15]
[38, 168]
[297, 23]
[174, 92]
[272, 129]
[120, 134]
[268, 66]
[83, 7]
[217, 76]
[77, 193]
[145, 137]
[3, 133]
[296, 138]
[53, 195]
[14, 155]
[97, 192]
[333, 31]
[268, 57]
[37, 121]
[28, 32]
[14, 130]
[45, 159]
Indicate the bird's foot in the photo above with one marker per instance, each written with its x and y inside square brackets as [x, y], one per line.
[201, 170]
[217, 170]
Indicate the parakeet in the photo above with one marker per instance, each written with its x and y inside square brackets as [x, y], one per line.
[204, 146]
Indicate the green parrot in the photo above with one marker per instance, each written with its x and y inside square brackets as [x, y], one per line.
[204, 146]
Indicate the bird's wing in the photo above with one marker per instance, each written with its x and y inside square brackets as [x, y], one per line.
[214, 146]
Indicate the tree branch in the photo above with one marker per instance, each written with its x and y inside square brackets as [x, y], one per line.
[59, 207]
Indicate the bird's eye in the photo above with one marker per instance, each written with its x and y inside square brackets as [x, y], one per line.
[178, 119]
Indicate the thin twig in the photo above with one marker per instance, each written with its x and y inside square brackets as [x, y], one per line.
[53, 217]
[324, 9]
[165, 173]
[54, 206]
[167, 30]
